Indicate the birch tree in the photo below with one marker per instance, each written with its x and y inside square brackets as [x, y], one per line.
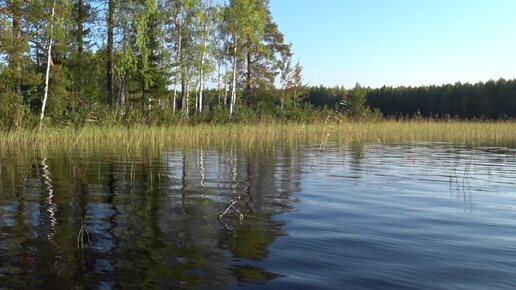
[110, 25]
[243, 22]
[206, 18]
[49, 63]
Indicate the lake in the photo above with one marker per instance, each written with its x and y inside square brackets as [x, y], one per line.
[357, 216]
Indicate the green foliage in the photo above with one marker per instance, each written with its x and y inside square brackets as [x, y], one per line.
[355, 103]
[165, 51]
[489, 100]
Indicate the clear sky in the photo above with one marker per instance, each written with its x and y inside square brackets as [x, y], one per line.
[400, 42]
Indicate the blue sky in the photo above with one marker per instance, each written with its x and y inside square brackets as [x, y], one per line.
[400, 42]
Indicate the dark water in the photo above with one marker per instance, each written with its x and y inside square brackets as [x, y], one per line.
[417, 216]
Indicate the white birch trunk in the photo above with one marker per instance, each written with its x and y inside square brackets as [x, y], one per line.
[226, 90]
[187, 97]
[177, 78]
[174, 97]
[122, 94]
[49, 61]
[233, 87]
[196, 93]
[218, 83]
[201, 75]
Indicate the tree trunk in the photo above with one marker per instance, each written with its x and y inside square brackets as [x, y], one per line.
[110, 55]
[183, 95]
[184, 81]
[249, 77]
[174, 97]
[15, 56]
[49, 62]
[201, 76]
[233, 87]
[187, 97]
[178, 57]
[282, 99]
[196, 94]
[80, 28]
[122, 94]
[225, 89]
[218, 83]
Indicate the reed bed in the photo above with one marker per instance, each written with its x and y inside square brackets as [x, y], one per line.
[260, 135]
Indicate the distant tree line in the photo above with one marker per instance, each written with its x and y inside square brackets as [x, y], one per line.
[488, 100]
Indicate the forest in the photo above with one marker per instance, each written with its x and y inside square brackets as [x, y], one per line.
[491, 100]
[73, 61]
[78, 62]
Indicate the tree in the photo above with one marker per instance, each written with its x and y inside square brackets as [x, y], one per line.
[205, 17]
[285, 77]
[49, 62]
[244, 20]
[109, 52]
[356, 103]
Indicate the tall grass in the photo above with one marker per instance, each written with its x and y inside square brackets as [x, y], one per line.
[261, 134]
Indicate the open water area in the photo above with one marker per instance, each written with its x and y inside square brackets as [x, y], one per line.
[358, 216]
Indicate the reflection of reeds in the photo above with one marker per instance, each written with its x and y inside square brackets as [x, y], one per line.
[461, 184]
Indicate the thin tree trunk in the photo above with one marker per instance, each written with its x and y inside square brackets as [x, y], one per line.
[196, 93]
[15, 58]
[201, 88]
[49, 62]
[174, 97]
[78, 79]
[122, 94]
[218, 83]
[282, 99]
[201, 76]
[187, 94]
[183, 95]
[110, 55]
[226, 90]
[249, 77]
[80, 28]
[149, 100]
[184, 82]
[233, 88]
[178, 57]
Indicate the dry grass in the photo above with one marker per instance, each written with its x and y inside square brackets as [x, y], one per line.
[260, 135]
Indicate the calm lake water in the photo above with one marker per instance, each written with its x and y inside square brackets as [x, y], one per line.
[364, 216]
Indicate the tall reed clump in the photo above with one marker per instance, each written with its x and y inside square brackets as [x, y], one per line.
[260, 134]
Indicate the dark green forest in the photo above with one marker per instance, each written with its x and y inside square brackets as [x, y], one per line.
[484, 100]
[77, 62]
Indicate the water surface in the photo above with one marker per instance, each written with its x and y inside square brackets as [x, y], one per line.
[363, 216]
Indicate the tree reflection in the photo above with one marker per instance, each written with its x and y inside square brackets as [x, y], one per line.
[150, 218]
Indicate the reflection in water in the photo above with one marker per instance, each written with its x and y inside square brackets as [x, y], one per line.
[149, 218]
[48, 208]
[146, 220]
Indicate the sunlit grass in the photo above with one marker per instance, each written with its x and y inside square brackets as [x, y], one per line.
[260, 135]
